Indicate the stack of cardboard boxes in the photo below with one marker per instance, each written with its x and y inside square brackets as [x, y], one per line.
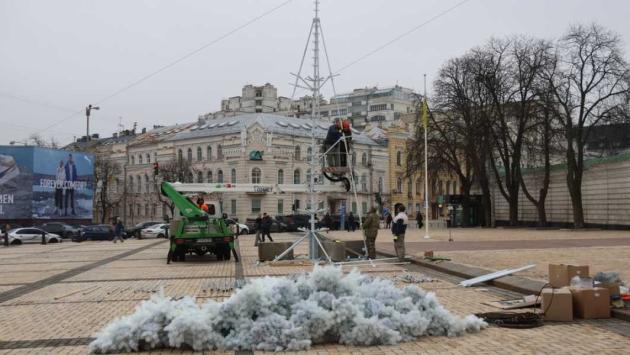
[562, 303]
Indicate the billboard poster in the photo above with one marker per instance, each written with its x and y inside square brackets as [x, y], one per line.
[48, 184]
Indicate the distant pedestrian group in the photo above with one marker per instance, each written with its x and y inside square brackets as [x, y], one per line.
[263, 228]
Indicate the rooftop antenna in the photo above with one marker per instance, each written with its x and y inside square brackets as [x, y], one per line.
[314, 85]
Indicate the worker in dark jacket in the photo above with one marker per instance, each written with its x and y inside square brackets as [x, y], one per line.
[265, 227]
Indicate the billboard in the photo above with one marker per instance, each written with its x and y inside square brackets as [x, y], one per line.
[44, 183]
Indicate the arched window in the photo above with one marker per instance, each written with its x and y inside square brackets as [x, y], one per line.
[219, 152]
[199, 154]
[148, 158]
[364, 182]
[399, 158]
[209, 176]
[399, 185]
[296, 176]
[220, 176]
[189, 155]
[380, 184]
[139, 181]
[133, 160]
[296, 154]
[140, 159]
[280, 176]
[309, 154]
[147, 185]
[233, 176]
[200, 177]
[180, 155]
[256, 176]
[364, 159]
[209, 153]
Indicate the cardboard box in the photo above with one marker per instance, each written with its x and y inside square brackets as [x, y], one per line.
[560, 275]
[557, 304]
[613, 288]
[591, 303]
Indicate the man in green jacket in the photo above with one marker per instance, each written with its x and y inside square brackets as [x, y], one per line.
[370, 225]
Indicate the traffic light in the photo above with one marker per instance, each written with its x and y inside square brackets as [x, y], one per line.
[156, 169]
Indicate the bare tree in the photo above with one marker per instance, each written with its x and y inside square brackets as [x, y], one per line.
[39, 141]
[590, 80]
[105, 171]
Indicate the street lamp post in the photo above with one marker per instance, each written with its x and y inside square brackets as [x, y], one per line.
[88, 109]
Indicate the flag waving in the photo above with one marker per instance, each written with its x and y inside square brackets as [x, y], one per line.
[425, 113]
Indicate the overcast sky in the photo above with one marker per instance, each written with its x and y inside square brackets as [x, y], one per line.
[58, 56]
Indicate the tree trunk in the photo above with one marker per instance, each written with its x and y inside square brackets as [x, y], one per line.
[542, 213]
[574, 184]
[513, 204]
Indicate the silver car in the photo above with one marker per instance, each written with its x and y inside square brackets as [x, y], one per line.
[18, 236]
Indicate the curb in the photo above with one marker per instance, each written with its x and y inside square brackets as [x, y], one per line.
[512, 283]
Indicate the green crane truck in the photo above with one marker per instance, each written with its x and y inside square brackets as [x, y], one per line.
[194, 230]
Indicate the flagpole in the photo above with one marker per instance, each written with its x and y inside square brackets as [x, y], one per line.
[426, 163]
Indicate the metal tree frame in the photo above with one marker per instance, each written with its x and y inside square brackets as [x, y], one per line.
[314, 85]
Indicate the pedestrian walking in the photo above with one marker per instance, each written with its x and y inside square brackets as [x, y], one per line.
[351, 225]
[258, 226]
[118, 231]
[388, 221]
[399, 227]
[419, 219]
[370, 225]
[265, 225]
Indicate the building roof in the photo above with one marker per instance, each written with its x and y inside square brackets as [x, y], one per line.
[291, 126]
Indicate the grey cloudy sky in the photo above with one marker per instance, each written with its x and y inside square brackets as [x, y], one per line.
[58, 56]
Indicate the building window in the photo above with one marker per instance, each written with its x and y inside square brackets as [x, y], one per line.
[233, 176]
[380, 184]
[296, 154]
[180, 155]
[296, 205]
[354, 208]
[153, 210]
[209, 153]
[219, 152]
[363, 183]
[280, 176]
[138, 210]
[139, 181]
[440, 187]
[210, 176]
[364, 159]
[308, 176]
[309, 154]
[130, 183]
[399, 158]
[146, 209]
[258, 93]
[220, 176]
[258, 102]
[140, 159]
[256, 176]
[133, 160]
[448, 187]
[296, 176]
[418, 186]
[147, 186]
[199, 154]
[148, 158]
[189, 155]
[233, 207]
[200, 177]
[258, 110]
[256, 206]
[363, 208]
[379, 107]
[455, 190]
[409, 188]
[155, 156]
[399, 184]
[280, 207]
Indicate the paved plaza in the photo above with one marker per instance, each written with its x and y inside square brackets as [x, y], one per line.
[54, 298]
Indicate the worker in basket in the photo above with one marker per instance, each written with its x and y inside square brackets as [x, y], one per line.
[202, 204]
[337, 156]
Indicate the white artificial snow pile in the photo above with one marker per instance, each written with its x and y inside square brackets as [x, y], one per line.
[275, 314]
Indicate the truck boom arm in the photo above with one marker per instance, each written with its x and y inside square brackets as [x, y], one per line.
[183, 203]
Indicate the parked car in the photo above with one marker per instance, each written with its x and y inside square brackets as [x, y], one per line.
[19, 236]
[62, 229]
[136, 230]
[276, 226]
[96, 232]
[242, 228]
[155, 231]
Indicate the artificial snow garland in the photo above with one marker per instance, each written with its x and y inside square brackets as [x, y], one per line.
[288, 313]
